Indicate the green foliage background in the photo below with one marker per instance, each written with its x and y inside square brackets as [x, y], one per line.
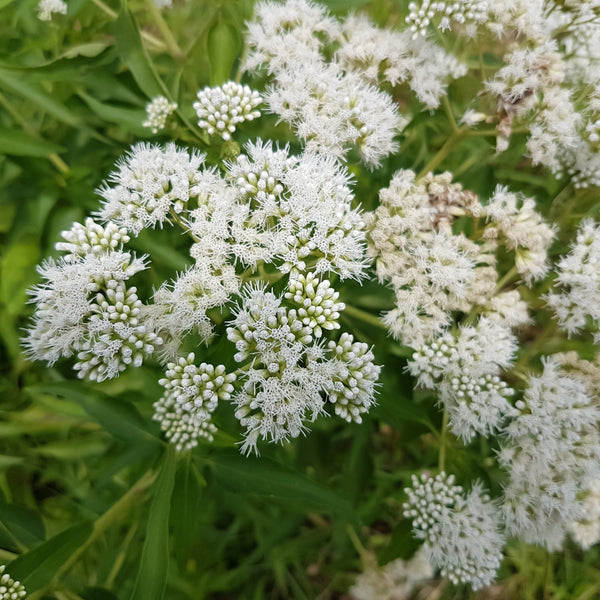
[93, 504]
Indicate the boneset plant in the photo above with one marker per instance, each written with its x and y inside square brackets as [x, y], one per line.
[276, 228]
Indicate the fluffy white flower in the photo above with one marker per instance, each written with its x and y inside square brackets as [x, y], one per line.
[395, 57]
[576, 299]
[180, 306]
[522, 230]
[465, 370]
[461, 533]
[85, 308]
[430, 269]
[330, 107]
[288, 378]
[300, 211]
[149, 183]
[288, 33]
[552, 452]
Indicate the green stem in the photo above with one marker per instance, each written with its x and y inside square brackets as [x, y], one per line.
[365, 316]
[453, 141]
[125, 502]
[443, 438]
[121, 556]
[172, 45]
[107, 10]
[450, 114]
[538, 345]
[506, 278]
[179, 221]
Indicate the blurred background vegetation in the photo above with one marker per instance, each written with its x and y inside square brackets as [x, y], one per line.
[93, 505]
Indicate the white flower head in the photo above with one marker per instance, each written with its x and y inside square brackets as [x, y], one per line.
[149, 183]
[9, 588]
[461, 533]
[158, 111]
[220, 109]
[316, 300]
[465, 370]
[576, 299]
[552, 452]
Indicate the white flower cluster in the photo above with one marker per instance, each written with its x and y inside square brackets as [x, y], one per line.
[354, 378]
[461, 533]
[158, 112]
[430, 269]
[293, 211]
[287, 374]
[9, 588]
[465, 370]
[461, 13]
[552, 453]
[150, 184]
[46, 8]
[434, 271]
[299, 212]
[330, 106]
[576, 300]
[191, 396]
[522, 230]
[394, 57]
[394, 581]
[220, 109]
[85, 307]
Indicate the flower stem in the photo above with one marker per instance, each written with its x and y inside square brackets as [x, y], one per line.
[457, 136]
[443, 438]
[365, 316]
[107, 10]
[172, 45]
[506, 278]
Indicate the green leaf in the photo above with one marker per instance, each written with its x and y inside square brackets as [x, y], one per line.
[129, 119]
[14, 80]
[223, 49]
[18, 272]
[117, 416]
[24, 524]
[133, 54]
[186, 505]
[402, 544]
[152, 576]
[19, 143]
[37, 568]
[9, 461]
[75, 449]
[268, 478]
[89, 50]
